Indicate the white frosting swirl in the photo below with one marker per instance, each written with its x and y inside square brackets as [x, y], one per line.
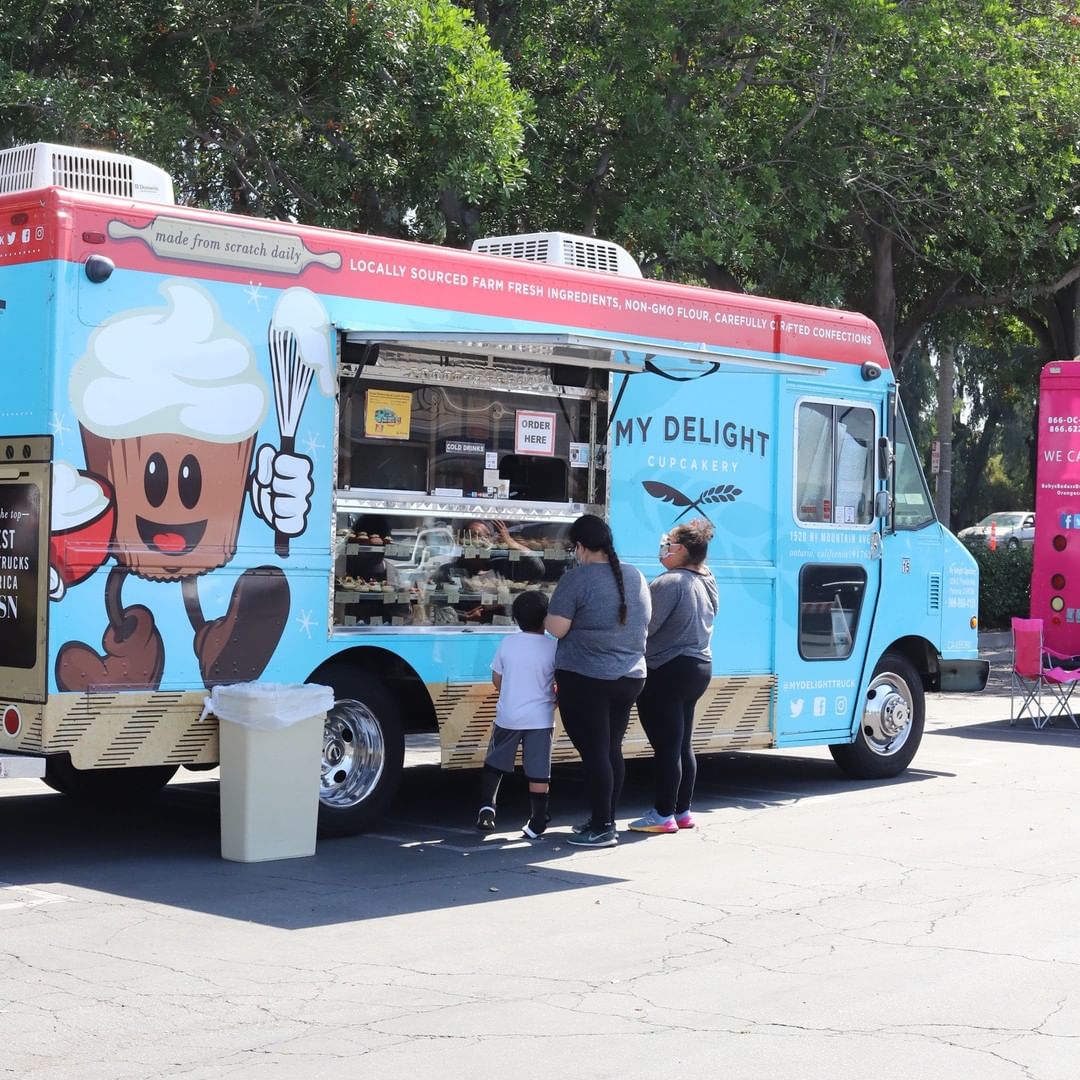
[76, 499]
[179, 370]
[301, 313]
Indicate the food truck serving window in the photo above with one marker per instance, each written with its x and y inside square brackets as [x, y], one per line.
[458, 477]
[456, 426]
[465, 442]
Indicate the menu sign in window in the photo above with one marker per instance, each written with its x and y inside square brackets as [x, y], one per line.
[387, 414]
[534, 433]
[20, 521]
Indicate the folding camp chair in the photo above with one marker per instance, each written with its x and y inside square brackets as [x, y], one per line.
[1061, 682]
[1036, 670]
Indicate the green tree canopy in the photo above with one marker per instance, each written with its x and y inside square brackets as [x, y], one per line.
[907, 159]
[901, 158]
[395, 117]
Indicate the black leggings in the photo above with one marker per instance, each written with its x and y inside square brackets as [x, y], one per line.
[594, 714]
[666, 708]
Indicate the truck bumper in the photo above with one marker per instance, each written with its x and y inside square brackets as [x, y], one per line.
[963, 676]
[21, 767]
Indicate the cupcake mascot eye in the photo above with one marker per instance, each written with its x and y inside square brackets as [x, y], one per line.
[190, 481]
[156, 480]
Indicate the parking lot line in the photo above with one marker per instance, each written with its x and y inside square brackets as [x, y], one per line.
[31, 897]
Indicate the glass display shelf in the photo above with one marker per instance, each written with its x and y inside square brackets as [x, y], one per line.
[409, 561]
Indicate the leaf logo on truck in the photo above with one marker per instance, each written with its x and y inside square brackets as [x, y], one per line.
[722, 493]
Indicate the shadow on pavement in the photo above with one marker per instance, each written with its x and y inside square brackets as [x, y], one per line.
[168, 852]
[753, 780]
[1060, 733]
[425, 856]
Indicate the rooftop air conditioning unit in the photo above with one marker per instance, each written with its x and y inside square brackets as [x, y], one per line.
[97, 172]
[562, 249]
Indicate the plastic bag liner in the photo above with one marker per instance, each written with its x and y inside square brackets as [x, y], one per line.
[268, 706]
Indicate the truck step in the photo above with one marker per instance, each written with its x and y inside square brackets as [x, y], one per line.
[21, 767]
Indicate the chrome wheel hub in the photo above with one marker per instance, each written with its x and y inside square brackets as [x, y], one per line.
[887, 714]
[354, 754]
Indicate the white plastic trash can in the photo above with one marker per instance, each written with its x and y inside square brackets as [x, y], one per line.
[271, 739]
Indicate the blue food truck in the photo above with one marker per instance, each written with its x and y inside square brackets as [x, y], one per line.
[201, 483]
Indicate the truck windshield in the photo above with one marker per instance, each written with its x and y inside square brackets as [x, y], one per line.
[914, 508]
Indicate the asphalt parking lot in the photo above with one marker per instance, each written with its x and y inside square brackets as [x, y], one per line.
[811, 927]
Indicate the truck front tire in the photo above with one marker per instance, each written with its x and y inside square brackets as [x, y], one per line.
[363, 756]
[890, 724]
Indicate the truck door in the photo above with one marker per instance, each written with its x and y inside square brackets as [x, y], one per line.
[829, 565]
[24, 565]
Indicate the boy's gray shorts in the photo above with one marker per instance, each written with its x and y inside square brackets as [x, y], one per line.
[535, 751]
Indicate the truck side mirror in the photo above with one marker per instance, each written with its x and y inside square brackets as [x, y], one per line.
[882, 504]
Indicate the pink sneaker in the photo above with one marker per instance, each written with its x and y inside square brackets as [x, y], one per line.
[654, 823]
[685, 820]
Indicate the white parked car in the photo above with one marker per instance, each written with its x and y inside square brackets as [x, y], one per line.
[1012, 528]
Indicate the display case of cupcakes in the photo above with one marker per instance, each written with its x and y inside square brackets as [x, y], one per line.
[442, 567]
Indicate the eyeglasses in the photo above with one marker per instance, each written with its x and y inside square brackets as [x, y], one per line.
[666, 545]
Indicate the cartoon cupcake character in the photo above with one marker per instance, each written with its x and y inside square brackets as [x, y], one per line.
[169, 402]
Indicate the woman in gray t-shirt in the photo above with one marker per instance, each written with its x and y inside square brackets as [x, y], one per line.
[684, 604]
[600, 613]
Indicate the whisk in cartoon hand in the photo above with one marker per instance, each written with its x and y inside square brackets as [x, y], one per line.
[299, 343]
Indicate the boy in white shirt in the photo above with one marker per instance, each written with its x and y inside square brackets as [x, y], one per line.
[523, 672]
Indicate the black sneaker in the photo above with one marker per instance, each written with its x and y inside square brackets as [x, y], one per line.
[591, 838]
[485, 821]
[585, 826]
[534, 827]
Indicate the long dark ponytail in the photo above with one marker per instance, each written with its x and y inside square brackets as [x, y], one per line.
[593, 533]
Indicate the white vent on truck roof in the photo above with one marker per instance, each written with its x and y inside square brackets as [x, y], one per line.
[562, 249]
[97, 172]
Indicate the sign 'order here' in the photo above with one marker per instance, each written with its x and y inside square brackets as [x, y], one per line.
[534, 433]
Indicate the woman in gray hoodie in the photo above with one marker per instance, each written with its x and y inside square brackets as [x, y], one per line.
[678, 656]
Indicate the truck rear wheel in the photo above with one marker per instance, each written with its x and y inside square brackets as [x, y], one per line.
[363, 755]
[110, 786]
[891, 726]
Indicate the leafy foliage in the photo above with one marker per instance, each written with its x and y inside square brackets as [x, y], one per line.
[993, 428]
[904, 159]
[1004, 584]
[395, 117]
[917, 161]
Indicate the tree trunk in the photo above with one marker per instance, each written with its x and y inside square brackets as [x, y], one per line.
[884, 298]
[946, 389]
[976, 464]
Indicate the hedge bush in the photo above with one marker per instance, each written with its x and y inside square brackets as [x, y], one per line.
[1004, 584]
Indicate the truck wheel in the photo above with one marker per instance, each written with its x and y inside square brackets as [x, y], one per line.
[363, 754]
[891, 726]
[106, 785]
